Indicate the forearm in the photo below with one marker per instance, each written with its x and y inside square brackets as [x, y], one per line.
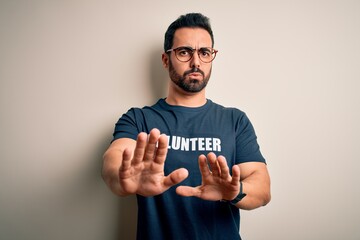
[257, 189]
[110, 171]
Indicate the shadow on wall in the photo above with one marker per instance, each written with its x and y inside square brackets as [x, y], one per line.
[158, 76]
[127, 218]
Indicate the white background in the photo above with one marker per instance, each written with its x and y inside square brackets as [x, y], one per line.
[69, 69]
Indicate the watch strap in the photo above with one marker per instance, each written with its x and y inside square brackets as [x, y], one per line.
[239, 197]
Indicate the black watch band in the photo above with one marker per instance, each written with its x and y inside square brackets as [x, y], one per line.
[240, 196]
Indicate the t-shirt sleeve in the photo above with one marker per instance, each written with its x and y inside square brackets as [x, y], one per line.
[126, 127]
[247, 147]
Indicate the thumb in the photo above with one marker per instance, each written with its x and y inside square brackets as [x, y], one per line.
[187, 191]
[175, 177]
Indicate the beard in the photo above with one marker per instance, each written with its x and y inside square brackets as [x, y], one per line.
[190, 85]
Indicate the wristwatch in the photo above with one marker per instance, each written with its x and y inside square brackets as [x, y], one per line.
[238, 197]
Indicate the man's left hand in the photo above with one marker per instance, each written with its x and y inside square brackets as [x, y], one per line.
[217, 183]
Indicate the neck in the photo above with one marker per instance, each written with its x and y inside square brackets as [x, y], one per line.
[179, 97]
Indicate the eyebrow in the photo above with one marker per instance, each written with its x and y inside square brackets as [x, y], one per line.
[185, 47]
[202, 48]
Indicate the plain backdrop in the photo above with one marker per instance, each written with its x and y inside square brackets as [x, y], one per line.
[70, 69]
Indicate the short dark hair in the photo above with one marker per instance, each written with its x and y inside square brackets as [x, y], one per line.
[192, 20]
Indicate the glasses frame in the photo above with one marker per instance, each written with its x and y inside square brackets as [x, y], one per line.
[214, 51]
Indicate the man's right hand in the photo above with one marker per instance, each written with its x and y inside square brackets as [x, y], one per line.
[142, 172]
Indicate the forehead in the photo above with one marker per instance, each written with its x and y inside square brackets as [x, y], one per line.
[192, 37]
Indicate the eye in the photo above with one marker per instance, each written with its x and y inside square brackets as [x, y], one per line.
[184, 52]
[205, 52]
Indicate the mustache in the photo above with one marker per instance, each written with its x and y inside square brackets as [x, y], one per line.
[194, 70]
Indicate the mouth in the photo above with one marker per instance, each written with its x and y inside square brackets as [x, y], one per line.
[195, 74]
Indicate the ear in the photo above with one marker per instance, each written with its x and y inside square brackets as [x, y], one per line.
[165, 60]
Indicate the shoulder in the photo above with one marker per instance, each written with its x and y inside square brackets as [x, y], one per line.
[233, 111]
[140, 112]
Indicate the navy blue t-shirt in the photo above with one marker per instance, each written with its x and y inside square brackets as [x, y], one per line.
[191, 132]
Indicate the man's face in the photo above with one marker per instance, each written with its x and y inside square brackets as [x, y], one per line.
[191, 76]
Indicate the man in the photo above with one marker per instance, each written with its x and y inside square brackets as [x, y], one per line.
[191, 162]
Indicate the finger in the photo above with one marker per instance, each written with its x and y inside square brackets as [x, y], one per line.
[175, 177]
[203, 166]
[162, 149]
[151, 145]
[225, 173]
[126, 161]
[235, 174]
[187, 191]
[140, 148]
[214, 165]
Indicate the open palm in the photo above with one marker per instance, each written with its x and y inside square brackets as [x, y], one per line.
[217, 183]
[143, 173]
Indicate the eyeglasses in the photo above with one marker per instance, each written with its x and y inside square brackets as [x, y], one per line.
[185, 54]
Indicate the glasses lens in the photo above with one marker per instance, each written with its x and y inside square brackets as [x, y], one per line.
[206, 54]
[184, 54]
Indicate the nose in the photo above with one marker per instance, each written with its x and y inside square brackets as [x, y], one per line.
[195, 60]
